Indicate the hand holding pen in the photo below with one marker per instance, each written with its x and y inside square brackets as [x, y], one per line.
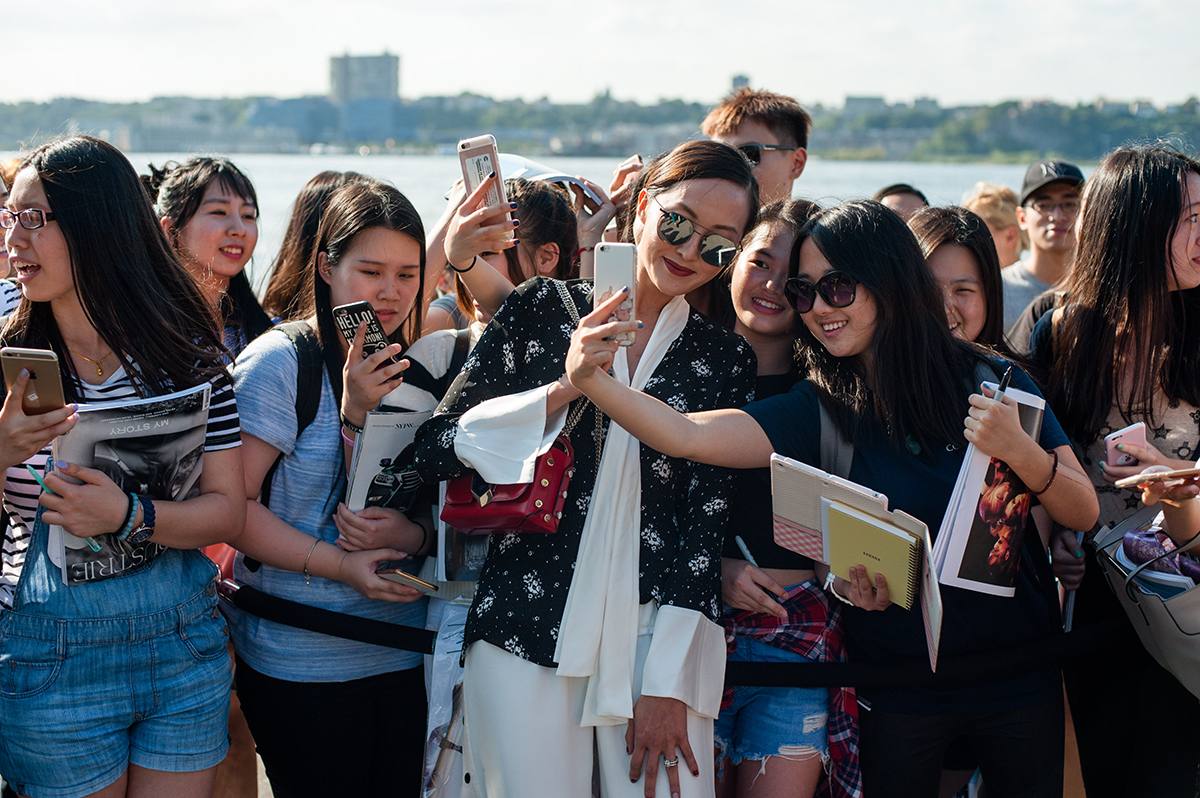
[745, 586]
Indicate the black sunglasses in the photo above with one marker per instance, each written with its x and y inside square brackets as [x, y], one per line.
[836, 288]
[753, 152]
[676, 229]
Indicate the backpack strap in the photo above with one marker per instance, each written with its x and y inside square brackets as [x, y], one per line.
[837, 453]
[308, 396]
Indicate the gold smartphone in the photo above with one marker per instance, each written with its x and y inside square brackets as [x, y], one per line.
[44, 391]
[392, 570]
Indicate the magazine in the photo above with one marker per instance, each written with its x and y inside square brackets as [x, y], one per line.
[152, 447]
[978, 546]
[459, 556]
[374, 478]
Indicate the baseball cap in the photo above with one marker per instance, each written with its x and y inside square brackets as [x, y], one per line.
[1043, 173]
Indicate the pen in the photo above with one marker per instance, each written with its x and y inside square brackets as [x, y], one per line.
[93, 545]
[1004, 382]
[741, 544]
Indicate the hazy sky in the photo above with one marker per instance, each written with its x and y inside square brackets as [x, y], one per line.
[959, 51]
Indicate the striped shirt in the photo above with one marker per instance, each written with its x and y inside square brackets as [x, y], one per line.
[21, 491]
[10, 296]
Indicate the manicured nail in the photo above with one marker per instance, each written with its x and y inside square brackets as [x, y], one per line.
[24, 372]
[493, 174]
[640, 325]
[625, 290]
[516, 222]
[1078, 552]
[61, 465]
[516, 241]
[511, 205]
[1120, 447]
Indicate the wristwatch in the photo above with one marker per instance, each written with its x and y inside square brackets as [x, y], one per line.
[142, 533]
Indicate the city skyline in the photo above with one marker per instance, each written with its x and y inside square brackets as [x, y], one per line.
[960, 52]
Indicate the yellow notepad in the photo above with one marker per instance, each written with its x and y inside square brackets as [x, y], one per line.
[856, 538]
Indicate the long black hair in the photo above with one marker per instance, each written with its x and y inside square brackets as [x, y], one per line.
[130, 283]
[359, 205]
[286, 282]
[178, 189]
[1123, 321]
[935, 227]
[921, 375]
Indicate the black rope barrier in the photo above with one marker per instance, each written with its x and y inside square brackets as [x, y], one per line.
[1050, 652]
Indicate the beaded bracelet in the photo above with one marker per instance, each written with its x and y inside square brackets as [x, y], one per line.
[134, 502]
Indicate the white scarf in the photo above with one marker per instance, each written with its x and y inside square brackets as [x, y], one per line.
[598, 634]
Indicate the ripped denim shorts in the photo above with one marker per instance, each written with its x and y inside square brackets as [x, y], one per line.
[791, 722]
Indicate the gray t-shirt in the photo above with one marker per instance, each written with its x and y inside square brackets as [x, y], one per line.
[304, 492]
[1020, 288]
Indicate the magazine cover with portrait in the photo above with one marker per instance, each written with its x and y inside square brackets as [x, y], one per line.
[152, 447]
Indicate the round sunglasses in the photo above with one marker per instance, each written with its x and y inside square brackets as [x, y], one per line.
[676, 229]
[836, 288]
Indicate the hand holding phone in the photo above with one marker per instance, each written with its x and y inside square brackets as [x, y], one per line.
[1134, 434]
[349, 317]
[616, 268]
[44, 390]
[479, 159]
[393, 570]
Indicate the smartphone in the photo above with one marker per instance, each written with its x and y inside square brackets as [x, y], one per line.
[393, 570]
[348, 317]
[616, 268]
[1134, 433]
[1180, 474]
[44, 391]
[479, 159]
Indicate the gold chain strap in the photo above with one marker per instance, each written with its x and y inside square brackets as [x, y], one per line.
[577, 412]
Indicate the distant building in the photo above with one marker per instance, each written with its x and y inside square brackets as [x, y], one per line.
[927, 105]
[364, 77]
[314, 119]
[740, 82]
[863, 106]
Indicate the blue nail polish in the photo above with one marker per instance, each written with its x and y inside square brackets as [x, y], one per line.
[493, 174]
[625, 290]
[640, 325]
[1078, 552]
[511, 205]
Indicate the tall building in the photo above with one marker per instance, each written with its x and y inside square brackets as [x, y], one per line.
[364, 77]
[740, 82]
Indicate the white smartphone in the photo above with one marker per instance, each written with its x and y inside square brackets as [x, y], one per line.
[479, 159]
[1134, 433]
[616, 268]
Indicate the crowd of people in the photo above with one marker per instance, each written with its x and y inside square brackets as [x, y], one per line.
[593, 657]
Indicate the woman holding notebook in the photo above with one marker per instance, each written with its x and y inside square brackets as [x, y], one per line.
[897, 385]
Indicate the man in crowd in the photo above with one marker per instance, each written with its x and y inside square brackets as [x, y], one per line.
[1048, 206]
[771, 130]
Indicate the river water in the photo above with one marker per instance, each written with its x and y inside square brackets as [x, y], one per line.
[425, 180]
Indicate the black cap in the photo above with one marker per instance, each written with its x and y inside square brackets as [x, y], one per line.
[1043, 173]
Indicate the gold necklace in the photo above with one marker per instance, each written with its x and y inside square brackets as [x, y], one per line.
[96, 363]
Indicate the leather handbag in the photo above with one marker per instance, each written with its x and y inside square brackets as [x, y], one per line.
[475, 507]
[1169, 628]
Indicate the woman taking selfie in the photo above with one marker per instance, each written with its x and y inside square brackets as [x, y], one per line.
[120, 686]
[638, 528]
[897, 386]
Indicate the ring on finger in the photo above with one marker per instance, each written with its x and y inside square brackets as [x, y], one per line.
[670, 763]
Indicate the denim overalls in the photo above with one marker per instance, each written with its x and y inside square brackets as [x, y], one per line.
[132, 669]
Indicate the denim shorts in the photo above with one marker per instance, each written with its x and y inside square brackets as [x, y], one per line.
[791, 722]
[81, 700]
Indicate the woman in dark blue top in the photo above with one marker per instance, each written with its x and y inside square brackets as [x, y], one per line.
[897, 386]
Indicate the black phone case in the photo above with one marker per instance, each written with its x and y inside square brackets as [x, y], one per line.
[348, 317]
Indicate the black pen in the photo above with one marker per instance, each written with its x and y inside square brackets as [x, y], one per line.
[1004, 382]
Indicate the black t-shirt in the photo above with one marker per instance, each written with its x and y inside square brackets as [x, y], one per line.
[750, 506]
[921, 486]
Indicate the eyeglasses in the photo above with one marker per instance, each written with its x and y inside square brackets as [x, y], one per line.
[1045, 207]
[676, 229]
[30, 218]
[836, 288]
[753, 152]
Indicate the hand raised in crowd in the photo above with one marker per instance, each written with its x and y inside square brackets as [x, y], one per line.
[592, 346]
[1146, 456]
[22, 435]
[367, 380]
[657, 732]
[377, 528]
[97, 507]
[622, 182]
[593, 219]
[476, 228]
[748, 587]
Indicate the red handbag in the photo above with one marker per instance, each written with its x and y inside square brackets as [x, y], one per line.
[475, 507]
[481, 509]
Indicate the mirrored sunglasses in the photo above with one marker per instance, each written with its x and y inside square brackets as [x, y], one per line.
[836, 288]
[676, 229]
